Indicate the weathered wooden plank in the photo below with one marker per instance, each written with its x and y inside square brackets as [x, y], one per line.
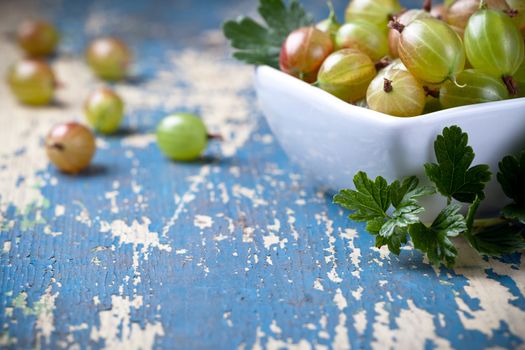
[236, 251]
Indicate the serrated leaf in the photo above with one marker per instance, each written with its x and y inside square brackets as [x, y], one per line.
[394, 242]
[370, 200]
[435, 241]
[404, 197]
[452, 175]
[511, 176]
[514, 212]
[258, 44]
[498, 240]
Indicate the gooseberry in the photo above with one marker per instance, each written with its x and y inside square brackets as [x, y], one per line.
[32, 82]
[519, 18]
[346, 74]
[439, 11]
[37, 38]
[303, 52]
[182, 136]
[109, 58]
[477, 87]
[397, 93]
[378, 12]
[70, 147]
[104, 110]
[363, 36]
[430, 50]
[494, 45]
[405, 19]
[460, 11]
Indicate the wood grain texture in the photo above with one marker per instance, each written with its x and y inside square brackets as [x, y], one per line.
[236, 251]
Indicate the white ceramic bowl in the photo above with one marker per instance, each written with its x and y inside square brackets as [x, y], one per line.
[332, 140]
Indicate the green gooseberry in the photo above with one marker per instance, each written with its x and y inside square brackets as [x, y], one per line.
[104, 110]
[475, 87]
[363, 36]
[182, 136]
[346, 74]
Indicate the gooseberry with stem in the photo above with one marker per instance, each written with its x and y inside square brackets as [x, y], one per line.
[182, 136]
[303, 52]
[32, 82]
[430, 50]
[70, 147]
[478, 87]
[329, 25]
[397, 93]
[109, 58]
[494, 45]
[104, 110]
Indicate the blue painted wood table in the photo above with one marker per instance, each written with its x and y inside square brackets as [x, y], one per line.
[237, 251]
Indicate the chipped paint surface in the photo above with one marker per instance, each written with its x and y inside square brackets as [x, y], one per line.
[236, 251]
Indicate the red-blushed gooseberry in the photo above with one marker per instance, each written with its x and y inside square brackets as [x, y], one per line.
[70, 147]
[32, 82]
[182, 136]
[109, 58]
[430, 50]
[397, 93]
[460, 11]
[475, 87]
[303, 52]
[104, 110]
[363, 36]
[37, 38]
[439, 11]
[378, 12]
[494, 45]
[405, 19]
[346, 74]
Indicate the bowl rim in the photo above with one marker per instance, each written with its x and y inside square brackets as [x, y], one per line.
[349, 110]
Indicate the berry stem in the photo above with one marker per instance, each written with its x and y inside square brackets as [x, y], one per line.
[387, 85]
[483, 5]
[58, 146]
[217, 137]
[511, 84]
[394, 24]
[427, 5]
[332, 17]
[431, 92]
[382, 63]
[511, 12]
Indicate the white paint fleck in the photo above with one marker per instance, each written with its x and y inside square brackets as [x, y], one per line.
[138, 140]
[117, 330]
[272, 239]
[59, 210]
[203, 221]
[7, 247]
[239, 191]
[357, 294]
[275, 328]
[318, 285]
[112, 196]
[360, 321]
[340, 300]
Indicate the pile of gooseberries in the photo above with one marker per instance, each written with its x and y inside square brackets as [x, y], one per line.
[407, 63]
[71, 146]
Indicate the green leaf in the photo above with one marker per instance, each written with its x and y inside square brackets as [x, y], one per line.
[261, 45]
[511, 176]
[404, 199]
[435, 241]
[514, 212]
[370, 200]
[497, 240]
[394, 241]
[452, 175]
